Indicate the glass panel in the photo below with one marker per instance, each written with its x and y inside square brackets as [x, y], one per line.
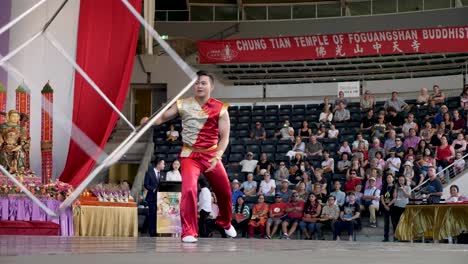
[384, 6]
[329, 10]
[436, 4]
[160, 16]
[410, 5]
[279, 12]
[255, 12]
[360, 8]
[226, 13]
[201, 13]
[178, 16]
[465, 2]
[305, 11]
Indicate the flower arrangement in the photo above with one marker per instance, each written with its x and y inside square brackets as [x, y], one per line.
[112, 192]
[55, 189]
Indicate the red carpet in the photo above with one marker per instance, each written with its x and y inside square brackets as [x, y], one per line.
[35, 228]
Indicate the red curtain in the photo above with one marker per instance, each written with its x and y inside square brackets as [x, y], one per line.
[107, 39]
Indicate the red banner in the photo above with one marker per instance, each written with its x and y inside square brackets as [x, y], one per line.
[343, 45]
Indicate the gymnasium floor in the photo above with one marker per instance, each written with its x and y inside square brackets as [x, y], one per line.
[83, 250]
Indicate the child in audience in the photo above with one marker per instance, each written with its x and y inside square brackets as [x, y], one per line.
[459, 163]
[345, 148]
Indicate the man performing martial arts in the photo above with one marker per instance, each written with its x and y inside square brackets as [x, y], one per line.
[203, 119]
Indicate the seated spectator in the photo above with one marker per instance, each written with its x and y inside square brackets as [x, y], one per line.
[359, 195]
[459, 144]
[437, 96]
[411, 141]
[258, 133]
[313, 148]
[267, 185]
[172, 134]
[380, 161]
[312, 209]
[307, 181]
[250, 186]
[211, 221]
[459, 123]
[380, 128]
[301, 191]
[361, 154]
[259, 217]
[321, 132]
[298, 166]
[326, 116]
[447, 121]
[399, 149]
[436, 138]
[444, 154]
[319, 193]
[351, 181]
[333, 132]
[359, 139]
[408, 171]
[371, 200]
[240, 216]
[374, 173]
[338, 194]
[395, 102]
[299, 147]
[344, 164]
[375, 148]
[459, 165]
[249, 164]
[284, 192]
[282, 173]
[423, 98]
[340, 100]
[349, 213]
[294, 210]
[454, 194]
[427, 132]
[390, 140]
[341, 114]
[344, 148]
[305, 132]
[320, 180]
[329, 215]
[424, 164]
[368, 121]
[394, 119]
[357, 166]
[328, 163]
[286, 132]
[439, 117]
[393, 163]
[409, 124]
[264, 165]
[277, 214]
[464, 98]
[235, 190]
[367, 101]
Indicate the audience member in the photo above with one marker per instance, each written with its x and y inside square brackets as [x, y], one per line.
[249, 164]
[338, 194]
[294, 211]
[367, 101]
[236, 192]
[277, 214]
[411, 141]
[328, 163]
[301, 191]
[258, 133]
[459, 123]
[427, 132]
[341, 114]
[439, 117]
[437, 96]
[344, 148]
[375, 148]
[340, 100]
[174, 174]
[409, 124]
[351, 181]
[454, 194]
[330, 213]
[326, 116]
[204, 207]
[172, 134]
[395, 102]
[423, 98]
[401, 196]
[349, 213]
[264, 165]
[305, 131]
[313, 148]
[333, 132]
[299, 147]
[250, 186]
[444, 154]
[371, 200]
[282, 173]
[267, 185]
[359, 139]
[393, 163]
[380, 128]
[394, 119]
[459, 144]
[286, 132]
[284, 192]
[433, 188]
[344, 164]
[321, 132]
[459, 165]
[312, 209]
[240, 216]
[368, 121]
[259, 217]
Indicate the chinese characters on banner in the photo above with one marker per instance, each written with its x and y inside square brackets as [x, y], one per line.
[408, 41]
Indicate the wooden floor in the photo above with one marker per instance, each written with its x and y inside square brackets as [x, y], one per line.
[71, 250]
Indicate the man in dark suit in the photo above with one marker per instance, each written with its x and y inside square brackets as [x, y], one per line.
[152, 179]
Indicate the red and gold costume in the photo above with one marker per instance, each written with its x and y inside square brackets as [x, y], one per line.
[200, 137]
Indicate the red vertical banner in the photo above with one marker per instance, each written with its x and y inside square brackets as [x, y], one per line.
[3, 97]
[23, 104]
[47, 132]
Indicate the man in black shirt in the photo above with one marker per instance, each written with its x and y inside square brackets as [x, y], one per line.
[368, 121]
[349, 212]
[393, 119]
[399, 149]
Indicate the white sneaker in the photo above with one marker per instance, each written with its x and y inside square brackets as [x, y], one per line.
[189, 239]
[231, 232]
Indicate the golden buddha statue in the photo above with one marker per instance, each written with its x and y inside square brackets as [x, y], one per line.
[14, 144]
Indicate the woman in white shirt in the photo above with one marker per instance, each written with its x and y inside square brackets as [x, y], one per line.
[174, 174]
[298, 147]
[454, 195]
[172, 134]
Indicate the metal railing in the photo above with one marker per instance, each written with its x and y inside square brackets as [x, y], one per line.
[294, 11]
[446, 174]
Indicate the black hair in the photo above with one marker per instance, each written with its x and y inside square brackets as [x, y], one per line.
[205, 73]
[203, 183]
[454, 186]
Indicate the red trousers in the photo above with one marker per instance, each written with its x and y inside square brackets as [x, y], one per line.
[191, 167]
